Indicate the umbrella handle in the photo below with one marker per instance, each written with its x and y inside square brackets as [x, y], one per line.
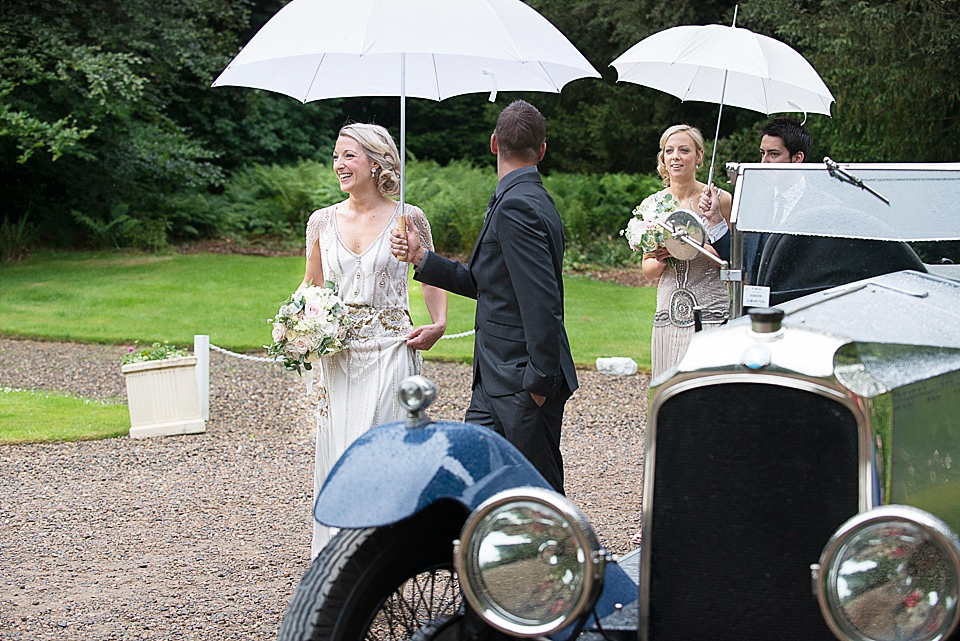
[402, 228]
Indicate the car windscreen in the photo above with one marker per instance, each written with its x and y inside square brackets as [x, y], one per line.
[903, 201]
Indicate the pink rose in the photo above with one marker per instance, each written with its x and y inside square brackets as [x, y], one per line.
[312, 310]
[279, 331]
[302, 344]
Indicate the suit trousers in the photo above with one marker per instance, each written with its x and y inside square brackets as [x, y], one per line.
[533, 430]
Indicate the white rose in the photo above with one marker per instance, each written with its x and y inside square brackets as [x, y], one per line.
[302, 344]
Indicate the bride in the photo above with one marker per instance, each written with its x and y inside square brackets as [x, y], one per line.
[349, 244]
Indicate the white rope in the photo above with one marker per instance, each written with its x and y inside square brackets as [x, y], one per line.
[243, 356]
[261, 359]
[460, 335]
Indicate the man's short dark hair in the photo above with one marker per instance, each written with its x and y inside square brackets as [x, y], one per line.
[521, 130]
[794, 136]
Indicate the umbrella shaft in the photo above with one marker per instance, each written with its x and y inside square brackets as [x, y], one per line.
[403, 130]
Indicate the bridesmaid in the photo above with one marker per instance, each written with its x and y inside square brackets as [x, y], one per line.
[685, 284]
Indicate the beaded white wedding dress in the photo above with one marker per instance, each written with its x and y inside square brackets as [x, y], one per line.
[357, 386]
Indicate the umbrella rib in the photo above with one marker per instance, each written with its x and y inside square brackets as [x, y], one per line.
[686, 92]
[547, 74]
[314, 79]
[436, 75]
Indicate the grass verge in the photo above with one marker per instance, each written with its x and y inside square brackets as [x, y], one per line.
[31, 416]
[112, 297]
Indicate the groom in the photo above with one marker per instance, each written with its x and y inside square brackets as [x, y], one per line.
[523, 372]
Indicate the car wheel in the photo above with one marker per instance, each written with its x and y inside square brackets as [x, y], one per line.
[457, 627]
[378, 584]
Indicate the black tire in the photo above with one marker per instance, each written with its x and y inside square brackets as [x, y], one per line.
[378, 584]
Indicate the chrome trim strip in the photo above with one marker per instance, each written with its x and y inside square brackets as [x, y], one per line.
[736, 254]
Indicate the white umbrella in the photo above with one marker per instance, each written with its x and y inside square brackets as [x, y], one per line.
[725, 65]
[315, 49]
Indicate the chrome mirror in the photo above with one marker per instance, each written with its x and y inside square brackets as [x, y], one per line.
[687, 236]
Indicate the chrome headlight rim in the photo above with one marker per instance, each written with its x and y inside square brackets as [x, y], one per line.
[826, 578]
[580, 528]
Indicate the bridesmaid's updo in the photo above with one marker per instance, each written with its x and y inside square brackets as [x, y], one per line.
[380, 148]
[694, 133]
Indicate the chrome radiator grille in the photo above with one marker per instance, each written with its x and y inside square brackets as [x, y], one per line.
[745, 496]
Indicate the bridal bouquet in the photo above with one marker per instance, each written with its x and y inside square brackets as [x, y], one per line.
[310, 324]
[642, 232]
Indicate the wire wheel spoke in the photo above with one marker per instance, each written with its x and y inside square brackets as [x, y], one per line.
[418, 600]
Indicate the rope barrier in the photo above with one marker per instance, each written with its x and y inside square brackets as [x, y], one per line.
[246, 357]
[201, 349]
[261, 359]
[460, 335]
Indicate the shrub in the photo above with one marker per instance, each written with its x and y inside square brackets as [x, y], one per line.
[15, 238]
[276, 200]
[454, 199]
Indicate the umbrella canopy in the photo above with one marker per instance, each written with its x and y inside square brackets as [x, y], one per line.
[315, 49]
[693, 63]
[725, 65]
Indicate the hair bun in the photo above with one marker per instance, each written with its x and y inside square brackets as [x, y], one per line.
[388, 182]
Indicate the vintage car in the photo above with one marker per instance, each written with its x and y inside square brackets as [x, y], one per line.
[800, 483]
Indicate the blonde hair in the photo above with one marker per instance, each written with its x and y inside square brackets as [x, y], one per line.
[378, 144]
[693, 132]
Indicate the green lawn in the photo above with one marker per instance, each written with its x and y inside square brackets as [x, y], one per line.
[119, 298]
[36, 416]
[112, 297]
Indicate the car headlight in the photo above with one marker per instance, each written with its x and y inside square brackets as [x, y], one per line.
[528, 561]
[415, 393]
[889, 574]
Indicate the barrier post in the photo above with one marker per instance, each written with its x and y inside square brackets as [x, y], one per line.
[201, 349]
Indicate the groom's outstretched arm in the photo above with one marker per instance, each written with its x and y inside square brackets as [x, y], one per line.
[431, 268]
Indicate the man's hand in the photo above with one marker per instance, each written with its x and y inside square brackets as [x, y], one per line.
[407, 247]
[710, 205]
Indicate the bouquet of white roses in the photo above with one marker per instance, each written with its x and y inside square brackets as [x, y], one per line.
[642, 232]
[310, 324]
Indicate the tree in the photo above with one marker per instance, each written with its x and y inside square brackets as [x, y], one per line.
[891, 65]
[106, 110]
[605, 126]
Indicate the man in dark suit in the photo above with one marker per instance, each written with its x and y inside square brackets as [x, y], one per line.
[793, 266]
[781, 140]
[523, 371]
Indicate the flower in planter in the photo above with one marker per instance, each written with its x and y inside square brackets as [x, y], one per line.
[153, 352]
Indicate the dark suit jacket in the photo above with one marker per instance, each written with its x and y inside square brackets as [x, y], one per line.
[753, 243]
[514, 273]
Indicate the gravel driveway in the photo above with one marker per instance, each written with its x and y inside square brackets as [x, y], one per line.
[205, 536]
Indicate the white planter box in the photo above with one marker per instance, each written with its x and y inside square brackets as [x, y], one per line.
[162, 397]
